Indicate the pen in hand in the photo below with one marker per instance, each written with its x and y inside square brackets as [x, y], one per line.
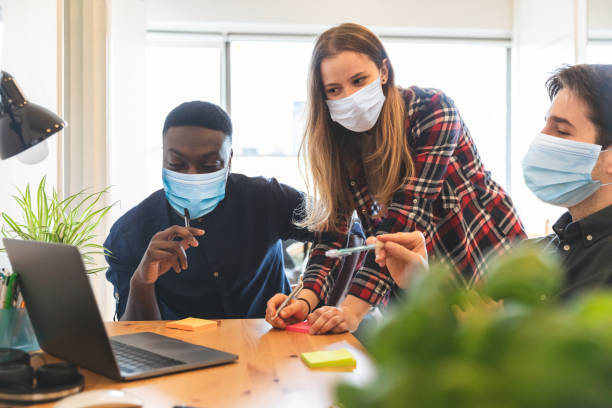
[186, 214]
[339, 253]
[293, 293]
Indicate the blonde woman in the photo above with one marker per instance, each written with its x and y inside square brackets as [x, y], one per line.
[404, 161]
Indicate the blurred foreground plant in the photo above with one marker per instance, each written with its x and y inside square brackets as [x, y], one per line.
[534, 351]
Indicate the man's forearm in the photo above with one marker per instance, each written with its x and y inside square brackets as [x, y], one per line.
[142, 301]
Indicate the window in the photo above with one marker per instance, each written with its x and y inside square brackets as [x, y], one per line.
[599, 52]
[268, 80]
[474, 76]
[175, 74]
[268, 99]
[266, 88]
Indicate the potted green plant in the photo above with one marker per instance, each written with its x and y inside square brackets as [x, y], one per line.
[445, 346]
[45, 217]
[72, 220]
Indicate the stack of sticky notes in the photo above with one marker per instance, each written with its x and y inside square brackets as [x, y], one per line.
[341, 358]
[192, 324]
[303, 327]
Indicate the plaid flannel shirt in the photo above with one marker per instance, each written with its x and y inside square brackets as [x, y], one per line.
[463, 214]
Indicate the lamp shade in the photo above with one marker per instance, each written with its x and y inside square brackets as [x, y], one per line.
[22, 124]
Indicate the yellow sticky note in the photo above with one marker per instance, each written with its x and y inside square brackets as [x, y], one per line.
[192, 324]
[329, 358]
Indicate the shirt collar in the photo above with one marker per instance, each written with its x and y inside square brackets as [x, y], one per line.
[589, 229]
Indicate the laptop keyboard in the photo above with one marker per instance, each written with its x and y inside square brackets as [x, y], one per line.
[133, 359]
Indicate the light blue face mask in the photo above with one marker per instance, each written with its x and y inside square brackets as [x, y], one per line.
[199, 193]
[558, 171]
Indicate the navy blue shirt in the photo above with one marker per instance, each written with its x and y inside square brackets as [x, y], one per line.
[238, 266]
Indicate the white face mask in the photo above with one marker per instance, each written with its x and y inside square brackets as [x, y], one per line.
[359, 111]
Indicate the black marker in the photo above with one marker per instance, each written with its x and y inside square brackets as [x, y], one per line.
[186, 213]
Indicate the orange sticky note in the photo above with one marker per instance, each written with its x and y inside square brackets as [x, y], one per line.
[192, 324]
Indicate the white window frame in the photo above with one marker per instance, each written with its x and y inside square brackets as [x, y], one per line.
[223, 41]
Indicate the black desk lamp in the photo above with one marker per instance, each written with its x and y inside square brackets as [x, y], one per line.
[22, 124]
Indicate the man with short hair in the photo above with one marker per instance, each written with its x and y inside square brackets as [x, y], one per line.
[229, 262]
[569, 164]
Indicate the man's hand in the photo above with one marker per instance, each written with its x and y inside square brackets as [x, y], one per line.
[403, 254]
[164, 252]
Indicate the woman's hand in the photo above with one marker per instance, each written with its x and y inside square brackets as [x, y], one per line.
[329, 319]
[403, 254]
[295, 312]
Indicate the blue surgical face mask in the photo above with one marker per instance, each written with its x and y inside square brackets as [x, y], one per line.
[558, 171]
[199, 193]
[359, 111]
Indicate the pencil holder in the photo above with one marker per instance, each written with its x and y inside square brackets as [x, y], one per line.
[16, 330]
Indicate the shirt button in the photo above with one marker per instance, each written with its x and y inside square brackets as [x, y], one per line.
[216, 274]
[566, 247]
[589, 237]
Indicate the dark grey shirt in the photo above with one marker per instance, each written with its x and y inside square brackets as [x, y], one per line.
[586, 248]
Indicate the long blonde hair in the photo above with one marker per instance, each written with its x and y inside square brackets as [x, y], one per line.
[386, 155]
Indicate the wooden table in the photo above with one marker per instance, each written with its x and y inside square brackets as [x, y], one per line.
[268, 373]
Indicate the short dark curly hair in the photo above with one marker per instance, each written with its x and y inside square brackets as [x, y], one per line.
[199, 113]
[593, 84]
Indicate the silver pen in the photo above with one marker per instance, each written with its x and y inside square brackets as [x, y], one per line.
[293, 293]
[339, 253]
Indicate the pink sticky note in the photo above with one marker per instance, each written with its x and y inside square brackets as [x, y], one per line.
[303, 327]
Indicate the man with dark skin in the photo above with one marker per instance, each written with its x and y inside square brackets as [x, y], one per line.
[229, 261]
[191, 150]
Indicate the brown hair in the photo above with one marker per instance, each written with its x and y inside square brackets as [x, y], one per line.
[385, 153]
[593, 84]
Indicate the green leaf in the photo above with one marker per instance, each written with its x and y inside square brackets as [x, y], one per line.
[96, 270]
[72, 220]
[11, 223]
[527, 275]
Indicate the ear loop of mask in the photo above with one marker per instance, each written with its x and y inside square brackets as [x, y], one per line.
[604, 151]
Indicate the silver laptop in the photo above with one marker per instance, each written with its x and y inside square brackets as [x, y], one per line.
[68, 325]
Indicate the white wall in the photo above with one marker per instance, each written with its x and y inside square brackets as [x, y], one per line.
[471, 15]
[29, 53]
[126, 109]
[127, 28]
